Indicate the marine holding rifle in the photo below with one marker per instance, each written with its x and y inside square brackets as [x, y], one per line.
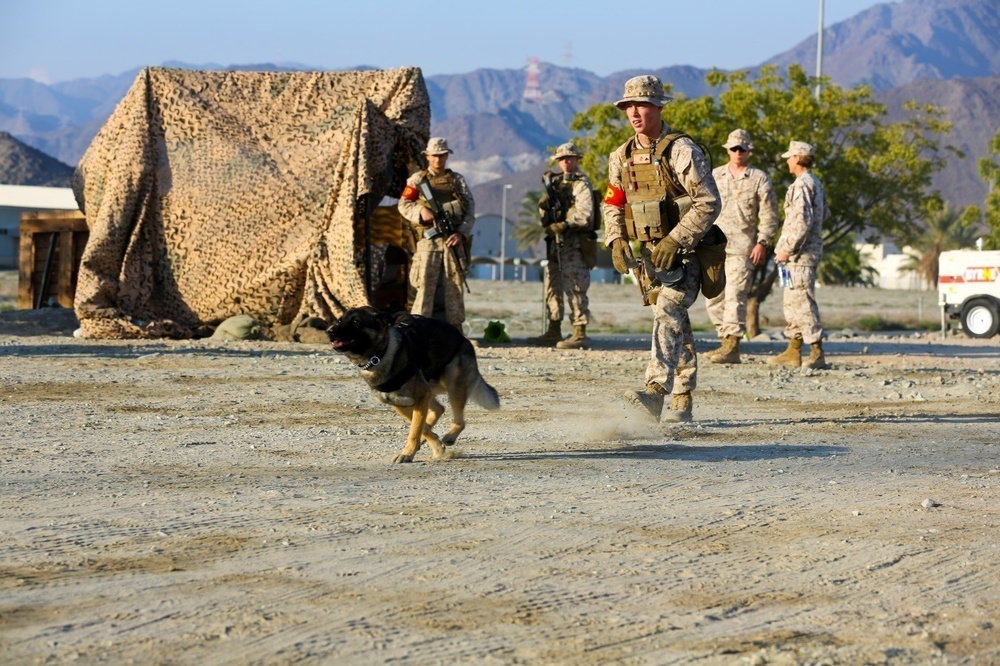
[437, 202]
[661, 193]
[567, 214]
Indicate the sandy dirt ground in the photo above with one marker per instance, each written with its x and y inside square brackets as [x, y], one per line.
[198, 502]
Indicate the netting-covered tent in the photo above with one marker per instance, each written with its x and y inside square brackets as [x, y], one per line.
[213, 194]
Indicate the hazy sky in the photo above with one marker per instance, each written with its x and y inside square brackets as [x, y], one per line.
[59, 40]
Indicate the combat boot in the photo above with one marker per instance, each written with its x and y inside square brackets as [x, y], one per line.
[680, 408]
[550, 337]
[578, 340]
[729, 352]
[791, 357]
[650, 399]
[712, 353]
[816, 359]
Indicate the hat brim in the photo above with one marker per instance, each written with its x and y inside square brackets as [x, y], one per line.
[732, 144]
[440, 152]
[785, 156]
[655, 101]
[556, 158]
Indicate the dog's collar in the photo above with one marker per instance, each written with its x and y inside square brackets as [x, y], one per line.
[372, 362]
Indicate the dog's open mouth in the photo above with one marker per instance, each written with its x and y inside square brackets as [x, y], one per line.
[337, 344]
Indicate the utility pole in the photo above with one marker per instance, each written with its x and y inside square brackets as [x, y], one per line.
[819, 50]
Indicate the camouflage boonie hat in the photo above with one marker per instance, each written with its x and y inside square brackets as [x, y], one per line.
[437, 145]
[798, 148]
[740, 138]
[566, 150]
[645, 88]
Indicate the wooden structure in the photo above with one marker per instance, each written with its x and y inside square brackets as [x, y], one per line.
[52, 244]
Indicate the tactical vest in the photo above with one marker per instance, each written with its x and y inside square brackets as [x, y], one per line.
[651, 193]
[445, 192]
[563, 184]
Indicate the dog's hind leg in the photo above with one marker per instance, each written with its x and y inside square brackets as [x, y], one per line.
[458, 395]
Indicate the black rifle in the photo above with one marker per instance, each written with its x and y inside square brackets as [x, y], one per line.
[444, 225]
[552, 207]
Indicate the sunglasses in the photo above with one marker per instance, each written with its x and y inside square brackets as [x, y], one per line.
[737, 149]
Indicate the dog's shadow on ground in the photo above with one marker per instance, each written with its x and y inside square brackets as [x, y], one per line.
[670, 451]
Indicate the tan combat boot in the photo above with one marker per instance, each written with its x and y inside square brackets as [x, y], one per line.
[680, 408]
[791, 357]
[816, 360]
[578, 340]
[712, 353]
[550, 337]
[650, 399]
[729, 352]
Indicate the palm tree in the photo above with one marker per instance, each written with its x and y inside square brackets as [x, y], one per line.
[946, 229]
[528, 226]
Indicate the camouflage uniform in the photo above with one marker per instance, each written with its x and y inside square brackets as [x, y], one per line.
[673, 364]
[432, 255]
[567, 272]
[802, 239]
[745, 199]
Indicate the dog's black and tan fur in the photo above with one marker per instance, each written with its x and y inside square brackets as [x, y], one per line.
[407, 361]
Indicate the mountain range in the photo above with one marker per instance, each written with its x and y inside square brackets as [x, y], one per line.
[944, 52]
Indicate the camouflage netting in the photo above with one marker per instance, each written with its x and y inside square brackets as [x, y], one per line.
[213, 194]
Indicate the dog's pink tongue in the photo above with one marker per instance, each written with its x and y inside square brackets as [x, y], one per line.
[337, 344]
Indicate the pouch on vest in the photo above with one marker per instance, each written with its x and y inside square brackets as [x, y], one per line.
[454, 208]
[647, 220]
[679, 207]
[711, 253]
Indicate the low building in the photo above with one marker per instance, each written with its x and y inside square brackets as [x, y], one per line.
[17, 199]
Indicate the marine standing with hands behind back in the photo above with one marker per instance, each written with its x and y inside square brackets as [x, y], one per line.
[662, 194]
[800, 249]
[747, 195]
[568, 223]
[440, 258]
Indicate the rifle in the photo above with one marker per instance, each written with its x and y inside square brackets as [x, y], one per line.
[444, 225]
[553, 209]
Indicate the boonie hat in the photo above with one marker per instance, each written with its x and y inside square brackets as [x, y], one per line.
[645, 88]
[437, 145]
[565, 150]
[798, 148]
[740, 138]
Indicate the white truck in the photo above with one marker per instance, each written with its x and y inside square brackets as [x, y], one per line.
[969, 290]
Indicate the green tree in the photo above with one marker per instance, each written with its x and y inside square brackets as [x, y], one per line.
[944, 229]
[989, 169]
[877, 175]
[528, 225]
[844, 265]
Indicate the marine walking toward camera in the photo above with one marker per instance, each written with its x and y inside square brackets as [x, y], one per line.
[567, 214]
[799, 250]
[747, 198]
[661, 193]
[437, 202]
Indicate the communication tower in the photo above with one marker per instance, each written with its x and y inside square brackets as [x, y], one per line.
[532, 85]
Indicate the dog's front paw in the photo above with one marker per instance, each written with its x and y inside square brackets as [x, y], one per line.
[402, 458]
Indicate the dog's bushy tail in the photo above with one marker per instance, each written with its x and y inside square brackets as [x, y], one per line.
[485, 395]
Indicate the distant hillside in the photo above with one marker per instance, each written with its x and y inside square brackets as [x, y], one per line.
[21, 164]
[974, 109]
[894, 44]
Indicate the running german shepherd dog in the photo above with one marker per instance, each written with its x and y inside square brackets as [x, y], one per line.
[407, 361]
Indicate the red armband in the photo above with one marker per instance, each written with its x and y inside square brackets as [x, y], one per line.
[614, 196]
[410, 193]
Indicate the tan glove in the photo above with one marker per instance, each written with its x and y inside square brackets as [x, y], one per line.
[621, 255]
[558, 228]
[664, 254]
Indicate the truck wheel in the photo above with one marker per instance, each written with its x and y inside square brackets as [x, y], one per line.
[981, 318]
